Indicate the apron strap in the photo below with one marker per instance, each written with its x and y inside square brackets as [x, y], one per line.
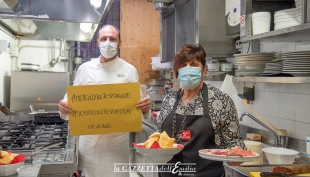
[205, 99]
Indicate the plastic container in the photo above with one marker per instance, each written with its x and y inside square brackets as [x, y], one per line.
[308, 146]
[261, 22]
[277, 155]
[213, 65]
[227, 66]
[254, 146]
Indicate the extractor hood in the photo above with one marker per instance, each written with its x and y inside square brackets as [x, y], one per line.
[52, 19]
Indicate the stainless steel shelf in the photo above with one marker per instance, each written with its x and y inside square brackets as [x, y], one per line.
[286, 80]
[291, 29]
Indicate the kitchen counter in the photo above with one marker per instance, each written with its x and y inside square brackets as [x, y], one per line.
[234, 171]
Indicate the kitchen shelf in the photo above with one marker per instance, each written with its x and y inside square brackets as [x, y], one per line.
[291, 29]
[286, 80]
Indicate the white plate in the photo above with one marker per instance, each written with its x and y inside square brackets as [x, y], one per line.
[226, 158]
[250, 63]
[298, 52]
[258, 54]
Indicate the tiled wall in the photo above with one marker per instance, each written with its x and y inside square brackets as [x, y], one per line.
[286, 106]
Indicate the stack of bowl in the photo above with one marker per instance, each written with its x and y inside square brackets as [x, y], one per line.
[285, 18]
[261, 22]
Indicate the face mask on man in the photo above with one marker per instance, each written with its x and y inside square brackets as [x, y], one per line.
[189, 76]
[108, 49]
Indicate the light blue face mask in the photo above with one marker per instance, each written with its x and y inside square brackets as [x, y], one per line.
[189, 76]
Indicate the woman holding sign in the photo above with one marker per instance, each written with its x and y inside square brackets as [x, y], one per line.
[198, 115]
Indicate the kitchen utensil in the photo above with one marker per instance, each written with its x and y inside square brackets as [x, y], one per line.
[256, 147]
[270, 174]
[279, 131]
[47, 118]
[278, 155]
[29, 67]
[44, 147]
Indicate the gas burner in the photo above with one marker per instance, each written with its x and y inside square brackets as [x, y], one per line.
[9, 136]
[28, 136]
[60, 135]
[6, 144]
[21, 145]
[4, 130]
[17, 129]
[45, 136]
[8, 125]
[33, 129]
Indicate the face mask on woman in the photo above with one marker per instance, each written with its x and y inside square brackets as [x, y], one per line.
[108, 49]
[189, 76]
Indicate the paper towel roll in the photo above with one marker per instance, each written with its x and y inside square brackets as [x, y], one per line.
[254, 146]
[231, 88]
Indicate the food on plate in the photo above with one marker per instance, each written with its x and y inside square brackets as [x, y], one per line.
[159, 140]
[235, 151]
[293, 169]
[165, 141]
[6, 157]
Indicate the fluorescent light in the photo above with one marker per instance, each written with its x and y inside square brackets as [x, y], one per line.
[96, 3]
[86, 27]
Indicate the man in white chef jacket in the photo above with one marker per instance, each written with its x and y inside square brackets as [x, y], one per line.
[98, 153]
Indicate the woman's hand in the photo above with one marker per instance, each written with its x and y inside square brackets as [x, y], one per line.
[144, 104]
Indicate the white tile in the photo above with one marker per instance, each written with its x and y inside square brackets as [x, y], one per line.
[271, 87]
[302, 88]
[284, 39]
[286, 105]
[258, 103]
[238, 103]
[273, 120]
[259, 86]
[302, 130]
[287, 125]
[302, 36]
[271, 105]
[302, 46]
[286, 47]
[287, 88]
[302, 108]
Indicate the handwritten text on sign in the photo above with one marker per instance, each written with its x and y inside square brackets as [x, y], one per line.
[108, 108]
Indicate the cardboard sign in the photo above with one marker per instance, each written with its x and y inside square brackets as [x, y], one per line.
[103, 109]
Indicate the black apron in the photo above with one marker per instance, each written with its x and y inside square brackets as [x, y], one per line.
[202, 137]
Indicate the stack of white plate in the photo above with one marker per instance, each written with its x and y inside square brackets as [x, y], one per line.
[298, 9]
[285, 18]
[296, 63]
[274, 66]
[253, 63]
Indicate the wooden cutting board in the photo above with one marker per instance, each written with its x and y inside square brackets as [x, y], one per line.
[257, 174]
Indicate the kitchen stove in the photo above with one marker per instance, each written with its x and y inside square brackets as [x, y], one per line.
[26, 136]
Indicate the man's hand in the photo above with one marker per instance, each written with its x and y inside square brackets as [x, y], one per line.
[64, 108]
[144, 104]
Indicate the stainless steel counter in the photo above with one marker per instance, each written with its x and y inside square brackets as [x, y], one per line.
[231, 171]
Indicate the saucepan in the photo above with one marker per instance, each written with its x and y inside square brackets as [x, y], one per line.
[46, 117]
